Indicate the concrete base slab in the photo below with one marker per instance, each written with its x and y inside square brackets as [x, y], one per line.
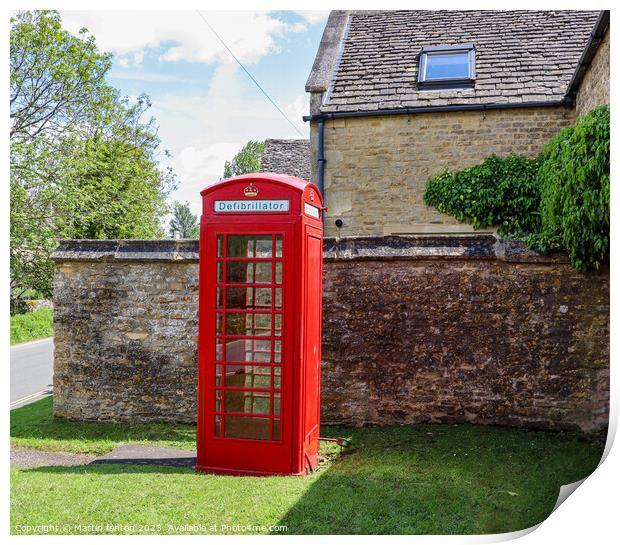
[135, 454]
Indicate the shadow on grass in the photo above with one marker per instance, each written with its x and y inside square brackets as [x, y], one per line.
[34, 426]
[442, 480]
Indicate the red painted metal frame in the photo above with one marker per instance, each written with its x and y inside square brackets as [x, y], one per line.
[296, 450]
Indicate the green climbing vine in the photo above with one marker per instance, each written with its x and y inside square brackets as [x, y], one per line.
[558, 201]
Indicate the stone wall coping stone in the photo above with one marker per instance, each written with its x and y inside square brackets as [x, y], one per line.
[468, 246]
[126, 250]
[371, 248]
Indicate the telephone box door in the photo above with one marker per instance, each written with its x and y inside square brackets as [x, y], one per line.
[248, 380]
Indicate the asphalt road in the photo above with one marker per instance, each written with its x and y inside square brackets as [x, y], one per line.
[31, 371]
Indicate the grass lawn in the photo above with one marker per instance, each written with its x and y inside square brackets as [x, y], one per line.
[32, 325]
[422, 479]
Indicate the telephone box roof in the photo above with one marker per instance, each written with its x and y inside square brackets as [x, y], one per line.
[287, 181]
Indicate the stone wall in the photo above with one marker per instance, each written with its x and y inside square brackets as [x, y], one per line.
[377, 167]
[594, 88]
[437, 329]
[474, 331]
[125, 327]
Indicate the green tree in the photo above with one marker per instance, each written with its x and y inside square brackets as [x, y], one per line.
[84, 163]
[56, 78]
[32, 239]
[183, 222]
[247, 160]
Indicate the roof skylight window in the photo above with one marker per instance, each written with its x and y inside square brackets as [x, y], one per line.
[447, 67]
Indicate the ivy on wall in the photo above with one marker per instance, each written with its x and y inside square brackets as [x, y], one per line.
[558, 201]
[574, 187]
[500, 192]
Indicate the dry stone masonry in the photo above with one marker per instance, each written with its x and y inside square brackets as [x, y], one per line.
[125, 330]
[433, 329]
[464, 329]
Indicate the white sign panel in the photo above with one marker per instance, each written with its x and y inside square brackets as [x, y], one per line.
[311, 210]
[251, 207]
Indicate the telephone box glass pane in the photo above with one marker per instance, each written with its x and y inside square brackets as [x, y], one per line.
[276, 377]
[247, 427]
[258, 324]
[235, 323]
[248, 323]
[235, 350]
[278, 245]
[248, 272]
[278, 303]
[259, 351]
[261, 357]
[278, 324]
[249, 246]
[220, 245]
[249, 298]
[276, 404]
[250, 350]
[248, 376]
[278, 279]
[240, 401]
[277, 349]
[276, 430]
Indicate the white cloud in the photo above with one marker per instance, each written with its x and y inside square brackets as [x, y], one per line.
[203, 131]
[183, 35]
[147, 76]
[296, 109]
[195, 162]
[313, 16]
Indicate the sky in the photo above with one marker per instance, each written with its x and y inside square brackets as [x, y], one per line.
[207, 108]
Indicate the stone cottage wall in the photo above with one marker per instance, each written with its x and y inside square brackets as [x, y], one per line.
[416, 329]
[377, 167]
[594, 88]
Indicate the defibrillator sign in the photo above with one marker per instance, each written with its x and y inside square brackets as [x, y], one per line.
[251, 206]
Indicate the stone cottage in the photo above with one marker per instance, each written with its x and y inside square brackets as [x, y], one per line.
[397, 96]
[423, 320]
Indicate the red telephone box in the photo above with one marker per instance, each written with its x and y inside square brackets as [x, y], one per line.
[259, 332]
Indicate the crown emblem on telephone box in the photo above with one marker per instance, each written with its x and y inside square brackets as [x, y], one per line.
[250, 191]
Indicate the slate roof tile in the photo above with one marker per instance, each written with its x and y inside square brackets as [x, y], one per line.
[290, 157]
[520, 56]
